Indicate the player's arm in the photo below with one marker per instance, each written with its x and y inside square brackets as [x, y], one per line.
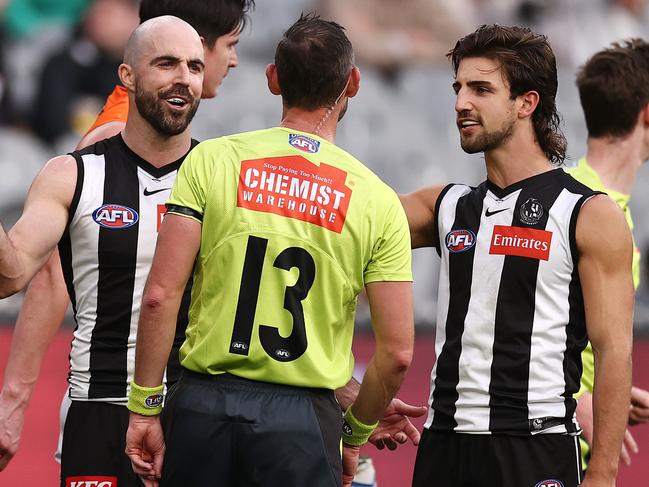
[39, 319]
[420, 210]
[604, 244]
[29, 243]
[100, 133]
[393, 325]
[176, 249]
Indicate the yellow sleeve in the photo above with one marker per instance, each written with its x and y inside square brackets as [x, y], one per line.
[192, 183]
[588, 374]
[391, 256]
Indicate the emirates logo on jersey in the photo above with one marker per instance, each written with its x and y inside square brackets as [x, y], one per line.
[522, 242]
[294, 187]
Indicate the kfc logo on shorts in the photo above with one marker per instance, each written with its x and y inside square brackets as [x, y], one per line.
[91, 481]
[522, 242]
[550, 483]
[115, 216]
[460, 241]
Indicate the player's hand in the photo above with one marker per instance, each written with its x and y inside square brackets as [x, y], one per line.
[639, 412]
[584, 414]
[395, 427]
[597, 483]
[350, 463]
[12, 418]
[585, 420]
[629, 446]
[145, 447]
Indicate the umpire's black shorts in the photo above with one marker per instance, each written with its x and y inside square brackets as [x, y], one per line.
[449, 459]
[225, 431]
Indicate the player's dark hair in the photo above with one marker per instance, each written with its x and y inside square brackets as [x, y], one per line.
[314, 59]
[613, 88]
[211, 18]
[528, 64]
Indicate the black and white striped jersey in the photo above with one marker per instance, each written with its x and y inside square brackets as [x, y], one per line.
[106, 253]
[510, 318]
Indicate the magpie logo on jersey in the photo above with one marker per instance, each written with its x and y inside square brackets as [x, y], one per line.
[295, 187]
[460, 241]
[91, 481]
[304, 143]
[550, 483]
[531, 211]
[115, 216]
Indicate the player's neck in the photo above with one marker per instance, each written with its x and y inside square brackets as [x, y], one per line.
[515, 160]
[322, 122]
[616, 161]
[152, 146]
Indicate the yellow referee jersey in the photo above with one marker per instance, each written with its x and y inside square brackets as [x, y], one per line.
[293, 228]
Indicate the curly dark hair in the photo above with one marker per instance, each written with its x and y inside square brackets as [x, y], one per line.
[528, 64]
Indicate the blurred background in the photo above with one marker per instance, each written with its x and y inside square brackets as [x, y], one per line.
[58, 61]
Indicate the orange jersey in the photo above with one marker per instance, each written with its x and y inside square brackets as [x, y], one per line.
[115, 109]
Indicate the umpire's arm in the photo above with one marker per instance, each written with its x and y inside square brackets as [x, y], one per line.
[178, 244]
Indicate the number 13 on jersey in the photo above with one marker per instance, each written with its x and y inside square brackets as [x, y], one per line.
[282, 349]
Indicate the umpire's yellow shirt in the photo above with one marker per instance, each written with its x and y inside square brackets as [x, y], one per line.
[293, 228]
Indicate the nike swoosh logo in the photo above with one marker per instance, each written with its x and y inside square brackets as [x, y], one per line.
[149, 193]
[491, 213]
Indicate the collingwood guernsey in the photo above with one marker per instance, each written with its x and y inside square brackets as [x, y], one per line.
[106, 253]
[510, 319]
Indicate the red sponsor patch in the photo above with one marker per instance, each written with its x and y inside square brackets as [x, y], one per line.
[295, 188]
[523, 242]
[162, 209]
[91, 481]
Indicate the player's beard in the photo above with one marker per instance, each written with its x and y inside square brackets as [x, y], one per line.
[488, 140]
[152, 108]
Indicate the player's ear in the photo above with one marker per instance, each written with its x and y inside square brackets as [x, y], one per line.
[644, 115]
[354, 82]
[273, 82]
[528, 103]
[127, 76]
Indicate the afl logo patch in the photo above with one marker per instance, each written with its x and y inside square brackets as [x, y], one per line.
[304, 143]
[460, 241]
[550, 483]
[115, 216]
[531, 211]
[153, 401]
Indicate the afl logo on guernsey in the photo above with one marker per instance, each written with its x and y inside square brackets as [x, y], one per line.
[304, 143]
[115, 216]
[460, 240]
[550, 483]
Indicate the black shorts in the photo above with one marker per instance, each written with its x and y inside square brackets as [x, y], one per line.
[449, 459]
[94, 439]
[226, 431]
